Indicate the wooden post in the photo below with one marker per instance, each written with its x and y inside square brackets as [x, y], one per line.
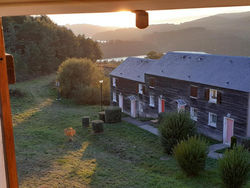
[6, 119]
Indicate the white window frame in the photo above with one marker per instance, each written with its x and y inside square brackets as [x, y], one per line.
[211, 99]
[114, 96]
[114, 82]
[151, 101]
[140, 89]
[210, 122]
[192, 114]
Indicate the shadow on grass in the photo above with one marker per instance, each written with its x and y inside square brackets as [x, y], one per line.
[40, 141]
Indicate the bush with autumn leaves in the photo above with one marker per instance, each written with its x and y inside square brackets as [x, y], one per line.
[79, 80]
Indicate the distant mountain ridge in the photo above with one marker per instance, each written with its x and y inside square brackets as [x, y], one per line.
[227, 34]
[87, 29]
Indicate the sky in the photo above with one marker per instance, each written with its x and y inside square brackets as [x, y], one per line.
[127, 19]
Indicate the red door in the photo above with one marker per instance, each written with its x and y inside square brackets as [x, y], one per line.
[162, 105]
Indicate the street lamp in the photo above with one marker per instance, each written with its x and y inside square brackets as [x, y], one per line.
[101, 82]
[58, 90]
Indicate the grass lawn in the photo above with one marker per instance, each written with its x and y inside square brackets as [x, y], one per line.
[123, 156]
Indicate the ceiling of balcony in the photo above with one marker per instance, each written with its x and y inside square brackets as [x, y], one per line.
[31, 7]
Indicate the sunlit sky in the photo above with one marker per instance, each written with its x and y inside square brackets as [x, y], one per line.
[127, 19]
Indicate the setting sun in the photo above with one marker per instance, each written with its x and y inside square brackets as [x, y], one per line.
[127, 19]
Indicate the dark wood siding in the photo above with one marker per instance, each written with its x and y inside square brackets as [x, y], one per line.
[229, 101]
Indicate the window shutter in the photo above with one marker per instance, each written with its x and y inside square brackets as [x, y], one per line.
[137, 88]
[144, 89]
[207, 94]
[218, 97]
[116, 81]
[194, 91]
[152, 82]
[10, 69]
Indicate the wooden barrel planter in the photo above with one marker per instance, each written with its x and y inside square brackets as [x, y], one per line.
[113, 114]
[97, 126]
[102, 116]
[85, 121]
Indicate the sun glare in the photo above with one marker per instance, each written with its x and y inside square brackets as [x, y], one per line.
[127, 19]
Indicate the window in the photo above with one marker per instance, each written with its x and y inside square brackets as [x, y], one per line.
[193, 113]
[151, 101]
[181, 108]
[181, 105]
[213, 96]
[151, 82]
[193, 92]
[212, 119]
[114, 82]
[114, 96]
[140, 89]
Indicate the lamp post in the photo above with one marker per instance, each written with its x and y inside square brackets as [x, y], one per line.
[58, 90]
[101, 82]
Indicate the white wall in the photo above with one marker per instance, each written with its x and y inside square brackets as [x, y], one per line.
[2, 161]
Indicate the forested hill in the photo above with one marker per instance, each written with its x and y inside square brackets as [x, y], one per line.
[39, 46]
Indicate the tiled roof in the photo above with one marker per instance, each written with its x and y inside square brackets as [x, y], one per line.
[133, 69]
[232, 72]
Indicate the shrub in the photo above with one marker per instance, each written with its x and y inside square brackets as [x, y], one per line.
[113, 114]
[234, 167]
[161, 116]
[79, 80]
[191, 155]
[175, 127]
[246, 143]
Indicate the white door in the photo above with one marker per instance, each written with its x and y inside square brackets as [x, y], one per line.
[133, 108]
[140, 107]
[159, 105]
[121, 101]
[228, 130]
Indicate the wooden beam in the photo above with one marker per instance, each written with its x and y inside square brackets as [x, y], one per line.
[7, 128]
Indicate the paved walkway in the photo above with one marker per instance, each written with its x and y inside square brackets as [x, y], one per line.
[215, 147]
[145, 125]
[142, 125]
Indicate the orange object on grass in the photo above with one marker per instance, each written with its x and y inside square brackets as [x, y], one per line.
[70, 132]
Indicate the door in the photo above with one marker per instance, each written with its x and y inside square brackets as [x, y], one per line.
[121, 101]
[140, 107]
[162, 105]
[133, 108]
[228, 130]
[159, 105]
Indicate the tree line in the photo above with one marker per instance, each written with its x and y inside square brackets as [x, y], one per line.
[39, 45]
